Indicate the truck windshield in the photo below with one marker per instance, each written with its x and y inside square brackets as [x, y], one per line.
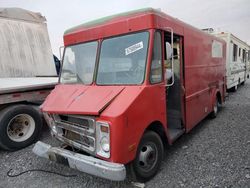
[79, 63]
[123, 59]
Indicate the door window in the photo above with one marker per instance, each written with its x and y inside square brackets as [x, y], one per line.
[156, 65]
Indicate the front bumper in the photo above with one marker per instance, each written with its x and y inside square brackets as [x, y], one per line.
[87, 164]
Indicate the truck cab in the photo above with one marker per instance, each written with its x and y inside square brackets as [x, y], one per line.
[116, 102]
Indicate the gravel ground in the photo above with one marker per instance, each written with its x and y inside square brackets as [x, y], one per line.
[214, 154]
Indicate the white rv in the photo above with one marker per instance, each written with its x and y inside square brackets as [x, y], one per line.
[237, 60]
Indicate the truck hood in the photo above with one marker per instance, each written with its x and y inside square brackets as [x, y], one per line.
[79, 99]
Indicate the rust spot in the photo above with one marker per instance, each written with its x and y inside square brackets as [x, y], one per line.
[131, 147]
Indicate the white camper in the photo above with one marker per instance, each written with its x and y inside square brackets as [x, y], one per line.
[237, 60]
[27, 75]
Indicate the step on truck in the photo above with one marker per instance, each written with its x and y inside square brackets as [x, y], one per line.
[27, 75]
[130, 84]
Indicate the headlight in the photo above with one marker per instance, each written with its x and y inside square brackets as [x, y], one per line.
[102, 139]
[105, 144]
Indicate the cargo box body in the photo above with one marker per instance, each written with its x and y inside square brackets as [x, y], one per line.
[24, 45]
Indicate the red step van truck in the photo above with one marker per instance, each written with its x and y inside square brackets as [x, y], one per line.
[131, 83]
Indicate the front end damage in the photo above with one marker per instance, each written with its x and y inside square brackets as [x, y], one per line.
[87, 164]
[87, 135]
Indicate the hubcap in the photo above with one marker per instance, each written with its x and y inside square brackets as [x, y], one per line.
[21, 128]
[148, 156]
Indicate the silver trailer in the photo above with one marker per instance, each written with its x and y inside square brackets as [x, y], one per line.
[27, 75]
[24, 44]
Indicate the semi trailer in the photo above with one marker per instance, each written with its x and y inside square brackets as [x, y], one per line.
[130, 84]
[27, 75]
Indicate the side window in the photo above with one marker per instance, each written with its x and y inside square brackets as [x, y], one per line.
[244, 55]
[156, 65]
[235, 48]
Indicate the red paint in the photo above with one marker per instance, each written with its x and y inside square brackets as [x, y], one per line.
[42, 92]
[131, 109]
[78, 99]
[16, 95]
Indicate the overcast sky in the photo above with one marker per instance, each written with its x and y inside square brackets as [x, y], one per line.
[225, 15]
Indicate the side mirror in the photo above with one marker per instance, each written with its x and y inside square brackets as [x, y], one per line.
[169, 50]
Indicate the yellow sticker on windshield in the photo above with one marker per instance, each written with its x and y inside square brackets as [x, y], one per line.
[134, 48]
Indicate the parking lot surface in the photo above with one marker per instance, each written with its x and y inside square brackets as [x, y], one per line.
[214, 154]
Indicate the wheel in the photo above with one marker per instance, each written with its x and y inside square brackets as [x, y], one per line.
[215, 109]
[20, 126]
[235, 88]
[148, 158]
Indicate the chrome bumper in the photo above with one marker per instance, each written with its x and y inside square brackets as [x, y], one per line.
[87, 164]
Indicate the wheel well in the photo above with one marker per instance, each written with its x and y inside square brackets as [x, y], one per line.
[158, 128]
[218, 95]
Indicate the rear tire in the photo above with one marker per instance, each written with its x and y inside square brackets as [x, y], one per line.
[235, 88]
[148, 158]
[214, 113]
[20, 126]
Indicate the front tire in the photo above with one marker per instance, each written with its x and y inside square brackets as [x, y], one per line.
[148, 158]
[20, 126]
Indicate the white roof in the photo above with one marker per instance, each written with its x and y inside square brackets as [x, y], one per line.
[21, 14]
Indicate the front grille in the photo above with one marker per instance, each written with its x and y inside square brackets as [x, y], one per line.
[84, 140]
[85, 123]
[76, 131]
